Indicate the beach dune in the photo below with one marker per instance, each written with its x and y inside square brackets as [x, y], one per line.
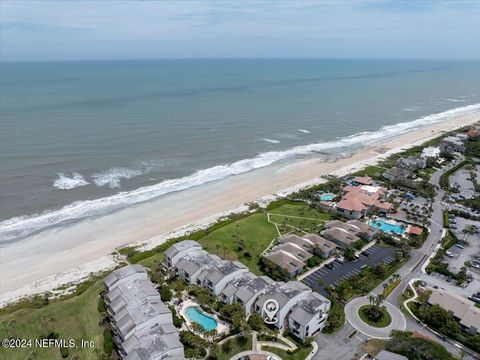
[54, 257]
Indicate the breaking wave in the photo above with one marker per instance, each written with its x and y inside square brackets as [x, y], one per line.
[22, 226]
[304, 131]
[454, 100]
[66, 183]
[411, 108]
[113, 176]
[271, 141]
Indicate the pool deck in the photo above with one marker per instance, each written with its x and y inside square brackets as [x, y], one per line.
[389, 222]
[221, 327]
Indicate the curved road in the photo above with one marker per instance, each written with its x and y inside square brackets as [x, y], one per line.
[351, 312]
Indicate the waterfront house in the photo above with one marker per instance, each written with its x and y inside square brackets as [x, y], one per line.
[431, 152]
[362, 180]
[124, 275]
[177, 251]
[453, 144]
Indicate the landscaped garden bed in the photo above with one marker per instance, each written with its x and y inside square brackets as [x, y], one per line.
[375, 317]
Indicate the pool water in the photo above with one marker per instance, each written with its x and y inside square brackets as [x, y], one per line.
[327, 197]
[208, 323]
[387, 227]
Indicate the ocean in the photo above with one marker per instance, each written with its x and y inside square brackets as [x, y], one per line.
[81, 139]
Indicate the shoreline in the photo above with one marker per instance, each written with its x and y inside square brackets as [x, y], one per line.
[57, 257]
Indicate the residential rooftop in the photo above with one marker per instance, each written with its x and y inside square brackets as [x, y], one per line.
[462, 309]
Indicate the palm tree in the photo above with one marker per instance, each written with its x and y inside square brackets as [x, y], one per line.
[212, 334]
[227, 346]
[246, 329]
[371, 299]
[215, 349]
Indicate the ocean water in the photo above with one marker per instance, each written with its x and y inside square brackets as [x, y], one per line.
[80, 139]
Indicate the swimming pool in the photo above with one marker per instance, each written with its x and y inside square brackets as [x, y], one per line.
[387, 227]
[327, 197]
[208, 323]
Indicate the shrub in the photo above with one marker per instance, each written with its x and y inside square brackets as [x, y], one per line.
[101, 305]
[403, 343]
[165, 294]
[256, 322]
[177, 320]
[107, 341]
[64, 352]
[336, 317]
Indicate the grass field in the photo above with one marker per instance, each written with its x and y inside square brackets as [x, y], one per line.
[238, 345]
[76, 318]
[254, 233]
[298, 355]
[294, 216]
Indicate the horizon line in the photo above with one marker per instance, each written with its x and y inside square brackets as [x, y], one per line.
[246, 58]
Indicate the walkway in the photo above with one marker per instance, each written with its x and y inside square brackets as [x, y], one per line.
[351, 312]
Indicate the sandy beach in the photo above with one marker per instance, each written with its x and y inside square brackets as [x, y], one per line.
[56, 257]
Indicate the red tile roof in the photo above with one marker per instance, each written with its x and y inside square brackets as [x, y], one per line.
[415, 230]
[364, 180]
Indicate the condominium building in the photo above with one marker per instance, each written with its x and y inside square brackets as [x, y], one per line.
[140, 321]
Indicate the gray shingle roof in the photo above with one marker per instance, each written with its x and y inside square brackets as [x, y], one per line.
[180, 246]
[122, 273]
[307, 308]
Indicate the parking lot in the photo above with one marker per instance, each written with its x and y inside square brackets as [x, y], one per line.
[461, 179]
[470, 251]
[339, 272]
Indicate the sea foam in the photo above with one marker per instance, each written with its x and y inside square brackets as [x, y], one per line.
[113, 176]
[64, 182]
[25, 225]
[304, 131]
[454, 100]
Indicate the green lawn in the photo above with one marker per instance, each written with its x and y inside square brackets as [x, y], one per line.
[254, 231]
[301, 210]
[373, 171]
[238, 345]
[297, 355]
[76, 317]
[385, 320]
[299, 216]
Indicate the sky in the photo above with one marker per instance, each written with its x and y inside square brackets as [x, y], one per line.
[88, 30]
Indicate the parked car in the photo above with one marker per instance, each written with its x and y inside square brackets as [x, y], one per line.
[449, 254]
[460, 246]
